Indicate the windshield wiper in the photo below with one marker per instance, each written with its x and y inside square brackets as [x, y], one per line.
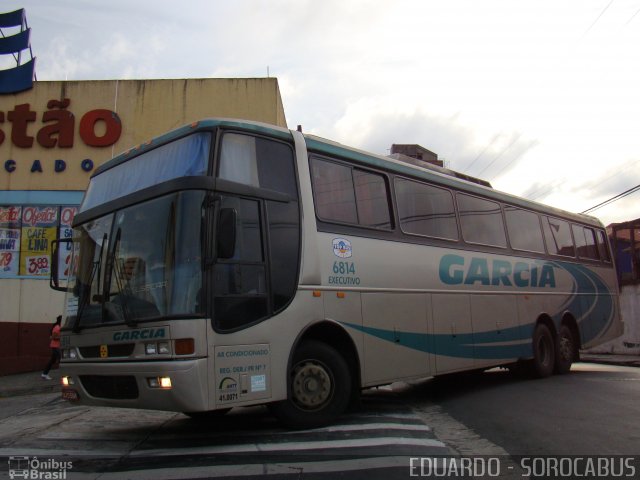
[85, 299]
[118, 309]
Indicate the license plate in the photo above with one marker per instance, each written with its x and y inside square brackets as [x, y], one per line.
[70, 395]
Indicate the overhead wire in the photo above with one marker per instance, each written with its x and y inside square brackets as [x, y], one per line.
[598, 18]
[500, 154]
[615, 198]
[509, 163]
[493, 140]
[542, 191]
[632, 17]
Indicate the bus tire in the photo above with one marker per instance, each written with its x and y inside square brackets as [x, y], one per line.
[543, 345]
[319, 387]
[565, 350]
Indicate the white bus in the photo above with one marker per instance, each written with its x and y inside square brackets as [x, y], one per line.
[232, 263]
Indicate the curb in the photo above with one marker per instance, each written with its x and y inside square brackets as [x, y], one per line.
[611, 361]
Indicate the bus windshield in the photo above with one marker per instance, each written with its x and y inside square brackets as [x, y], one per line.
[140, 263]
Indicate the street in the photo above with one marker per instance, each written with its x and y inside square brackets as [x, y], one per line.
[591, 411]
[376, 441]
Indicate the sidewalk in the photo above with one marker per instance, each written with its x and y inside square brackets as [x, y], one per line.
[611, 359]
[33, 384]
[29, 384]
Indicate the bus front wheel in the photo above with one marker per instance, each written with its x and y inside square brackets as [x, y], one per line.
[319, 387]
[543, 361]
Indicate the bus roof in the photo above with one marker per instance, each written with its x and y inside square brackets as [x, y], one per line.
[322, 145]
[328, 147]
[204, 124]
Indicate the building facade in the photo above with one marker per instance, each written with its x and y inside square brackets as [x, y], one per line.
[52, 138]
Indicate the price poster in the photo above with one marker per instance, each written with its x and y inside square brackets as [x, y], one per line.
[10, 219]
[65, 248]
[39, 229]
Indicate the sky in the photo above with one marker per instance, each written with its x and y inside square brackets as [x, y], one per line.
[541, 98]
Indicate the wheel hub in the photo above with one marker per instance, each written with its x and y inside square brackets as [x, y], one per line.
[311, 385]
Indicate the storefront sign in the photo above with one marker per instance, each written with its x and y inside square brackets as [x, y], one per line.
[38, 231]
[10, 240]
[97, 128]
[65, 248]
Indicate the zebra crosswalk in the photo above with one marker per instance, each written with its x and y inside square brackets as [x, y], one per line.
[364, 443]
[375, 443]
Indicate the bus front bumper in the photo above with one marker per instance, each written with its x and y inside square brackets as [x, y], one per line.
[180, 386]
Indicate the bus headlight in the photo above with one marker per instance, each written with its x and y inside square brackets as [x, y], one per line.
[159, 382]
[67, 381]
[69, 353]
[160, 348]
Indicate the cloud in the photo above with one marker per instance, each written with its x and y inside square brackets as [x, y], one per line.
[516, 93]
[375, 124]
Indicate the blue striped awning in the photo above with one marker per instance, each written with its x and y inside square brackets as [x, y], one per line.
[12, 19]
[15, 43]
[17, 79]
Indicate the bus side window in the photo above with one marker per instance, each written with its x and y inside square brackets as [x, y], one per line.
[603, 246]
[261, 277]
[557, 235]
[349, 195]
[585, 242]
[524, 230]
[372, 199]
[238, 161]
[426, 210]
[258, 162]
[333, 190]
[240, 286]
[481, 221]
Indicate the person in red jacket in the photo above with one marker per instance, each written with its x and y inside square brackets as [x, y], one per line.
[55, 347]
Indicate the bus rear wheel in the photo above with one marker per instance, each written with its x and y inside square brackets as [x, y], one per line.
[565, 350]
[543, 361]
[319, 387]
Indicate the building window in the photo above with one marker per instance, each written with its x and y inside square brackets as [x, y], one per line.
[626, 248]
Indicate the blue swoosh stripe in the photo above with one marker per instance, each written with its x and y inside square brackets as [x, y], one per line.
[596, 312]
[464, 345]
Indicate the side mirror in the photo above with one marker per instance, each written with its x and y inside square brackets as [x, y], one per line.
[226, 234]
[54, 280]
